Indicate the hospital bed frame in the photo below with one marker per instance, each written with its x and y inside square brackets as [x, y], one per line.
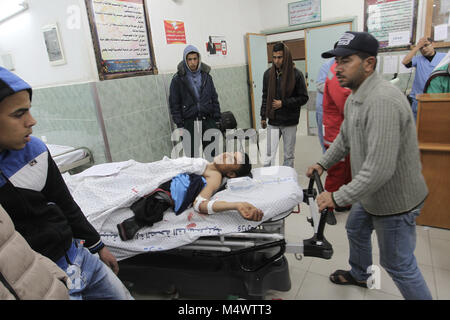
[245, 264]
[87, 159]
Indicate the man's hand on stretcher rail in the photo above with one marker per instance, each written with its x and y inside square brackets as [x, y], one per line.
[325, 199]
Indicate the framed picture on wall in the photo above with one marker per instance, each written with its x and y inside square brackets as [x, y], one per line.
[392, 22]
[53, 44]
[304, 11]
[121, 37]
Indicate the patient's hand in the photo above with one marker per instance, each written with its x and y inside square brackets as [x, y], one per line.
[249, 212]
[109, 259]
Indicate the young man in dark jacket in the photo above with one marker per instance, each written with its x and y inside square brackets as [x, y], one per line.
[284, 92]
[194, 103]
[38, 201]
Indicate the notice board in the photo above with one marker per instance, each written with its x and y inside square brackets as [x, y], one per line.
[392, 22]
[121, 37]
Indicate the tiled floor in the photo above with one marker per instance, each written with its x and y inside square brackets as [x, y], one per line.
[309, 276]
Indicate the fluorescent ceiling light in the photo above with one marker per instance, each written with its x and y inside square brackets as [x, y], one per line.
[10, 8]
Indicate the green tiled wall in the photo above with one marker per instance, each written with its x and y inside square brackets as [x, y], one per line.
[232, 88]
[66, 116]
[136, 118]
[135, 113]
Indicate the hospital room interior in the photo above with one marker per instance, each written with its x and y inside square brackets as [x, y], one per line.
[101, 73]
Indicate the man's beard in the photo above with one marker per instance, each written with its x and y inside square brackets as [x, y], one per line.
[355, 81]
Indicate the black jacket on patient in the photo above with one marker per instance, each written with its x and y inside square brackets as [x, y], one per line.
[150, 209]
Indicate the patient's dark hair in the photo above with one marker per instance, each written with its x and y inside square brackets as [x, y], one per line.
[245, 168]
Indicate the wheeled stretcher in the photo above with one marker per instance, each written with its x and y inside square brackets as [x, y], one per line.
[245, 264]
[202, 255]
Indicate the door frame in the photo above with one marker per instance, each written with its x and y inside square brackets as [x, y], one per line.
[319, 27]
[250, 76]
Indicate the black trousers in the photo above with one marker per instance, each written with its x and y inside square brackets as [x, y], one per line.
[197, 129]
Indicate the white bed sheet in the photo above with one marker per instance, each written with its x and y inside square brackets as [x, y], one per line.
[105, 193]
[64, 155]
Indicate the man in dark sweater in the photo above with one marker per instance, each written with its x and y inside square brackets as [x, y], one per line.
[33, 192]
[284, 92]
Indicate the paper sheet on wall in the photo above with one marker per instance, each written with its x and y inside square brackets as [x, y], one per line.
[399, 38]
[441, 32]
[401, 66]
[390, 64]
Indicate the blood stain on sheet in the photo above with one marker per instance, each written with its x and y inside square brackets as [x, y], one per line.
[191, 214]
[192, 225]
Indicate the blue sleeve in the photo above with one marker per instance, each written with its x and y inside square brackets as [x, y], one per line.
[414, 61]
[323, 72]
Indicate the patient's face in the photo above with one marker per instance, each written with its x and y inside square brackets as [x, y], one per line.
[16, 121]
[229, 162]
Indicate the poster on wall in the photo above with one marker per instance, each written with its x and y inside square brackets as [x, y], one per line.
[216, 46]
[53, 45]
[175, 32]
[305, 11]
[392, 22]
[122, 43]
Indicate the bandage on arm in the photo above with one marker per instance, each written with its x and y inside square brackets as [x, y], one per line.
[210, 207]
[197, 202]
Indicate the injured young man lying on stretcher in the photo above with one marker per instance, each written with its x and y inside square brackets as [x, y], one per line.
[185, 190]
[155, 217]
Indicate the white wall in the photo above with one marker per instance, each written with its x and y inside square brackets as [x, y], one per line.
[275, 13]
[203, 18]
[21, 36]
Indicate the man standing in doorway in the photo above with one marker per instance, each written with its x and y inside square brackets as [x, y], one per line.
[388, 189]
[284, 92]
[424, 65]
[193, 102]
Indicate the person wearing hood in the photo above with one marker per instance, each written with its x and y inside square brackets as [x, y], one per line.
[194, 103]
[284, 92]
[34, 194]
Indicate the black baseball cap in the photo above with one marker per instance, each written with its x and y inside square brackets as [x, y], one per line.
[353, 42]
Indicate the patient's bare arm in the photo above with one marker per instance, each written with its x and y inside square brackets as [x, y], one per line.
[213, 180]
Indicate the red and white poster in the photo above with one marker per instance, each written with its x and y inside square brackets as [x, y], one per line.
[175, 32]
[217, 46]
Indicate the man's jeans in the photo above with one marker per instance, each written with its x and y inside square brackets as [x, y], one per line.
[397, 241]
[91, 279]
[414, 107]
[273, 138]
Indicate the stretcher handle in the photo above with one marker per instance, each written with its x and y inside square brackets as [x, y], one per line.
[315, 177]
[318, 181]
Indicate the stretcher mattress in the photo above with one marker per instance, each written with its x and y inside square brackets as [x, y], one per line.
[65, 155]
[105, 193]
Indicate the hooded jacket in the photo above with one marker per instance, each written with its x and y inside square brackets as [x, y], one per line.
[183, 101]
[35, 195]
[24, 273]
